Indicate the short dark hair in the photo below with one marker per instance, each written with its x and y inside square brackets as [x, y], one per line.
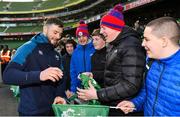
[165, 26]
[96, 32]
[55, 21]
[71, 41]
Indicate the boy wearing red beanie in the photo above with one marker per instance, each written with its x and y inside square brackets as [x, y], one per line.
[81, 57]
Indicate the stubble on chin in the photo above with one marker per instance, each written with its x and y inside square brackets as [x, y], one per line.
[54, 43]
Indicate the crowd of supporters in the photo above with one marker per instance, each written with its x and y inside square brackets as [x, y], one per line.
[47, 68]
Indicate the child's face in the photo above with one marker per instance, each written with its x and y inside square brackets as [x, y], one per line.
[83, 40]
[98, 42]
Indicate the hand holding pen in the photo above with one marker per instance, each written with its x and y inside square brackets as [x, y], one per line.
[126, 106]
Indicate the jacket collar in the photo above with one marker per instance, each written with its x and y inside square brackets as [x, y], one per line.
[172, 59]
[40, 38]
[126, 32]
[101, 50]
[43, 41]
[88, 45]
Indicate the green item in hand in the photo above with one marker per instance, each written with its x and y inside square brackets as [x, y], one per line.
[85, 83]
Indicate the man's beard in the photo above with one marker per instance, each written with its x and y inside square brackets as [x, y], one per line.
[54, 43]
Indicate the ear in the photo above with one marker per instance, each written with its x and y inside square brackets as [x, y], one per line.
[164, 42]
[45, 30]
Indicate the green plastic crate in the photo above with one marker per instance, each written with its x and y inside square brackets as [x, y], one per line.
[80, 110]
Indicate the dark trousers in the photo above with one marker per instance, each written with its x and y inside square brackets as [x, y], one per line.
[47, 113]
[3, 66]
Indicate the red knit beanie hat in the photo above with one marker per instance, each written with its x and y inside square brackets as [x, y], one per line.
[82, 29]
[114, 19]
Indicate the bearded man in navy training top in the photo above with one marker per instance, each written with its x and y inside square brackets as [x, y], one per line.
[36, 69]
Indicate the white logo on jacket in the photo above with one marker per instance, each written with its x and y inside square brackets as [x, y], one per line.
[57, 57]
[91, 54]
[40, 52]
[115, 51]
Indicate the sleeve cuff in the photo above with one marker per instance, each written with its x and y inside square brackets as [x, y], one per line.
[136, 104]
[33, 77]
[101, 95]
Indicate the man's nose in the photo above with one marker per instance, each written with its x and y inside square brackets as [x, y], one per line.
[81, 37]
[58, 36]
[101, 31]
[143, 43]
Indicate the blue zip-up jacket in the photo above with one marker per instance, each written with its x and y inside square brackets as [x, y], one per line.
[80, 62]
[36, 97]
[160, 95]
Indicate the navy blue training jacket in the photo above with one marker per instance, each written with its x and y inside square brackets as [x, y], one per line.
[24, 70]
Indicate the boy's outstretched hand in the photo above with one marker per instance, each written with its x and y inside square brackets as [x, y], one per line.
[126, 106]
